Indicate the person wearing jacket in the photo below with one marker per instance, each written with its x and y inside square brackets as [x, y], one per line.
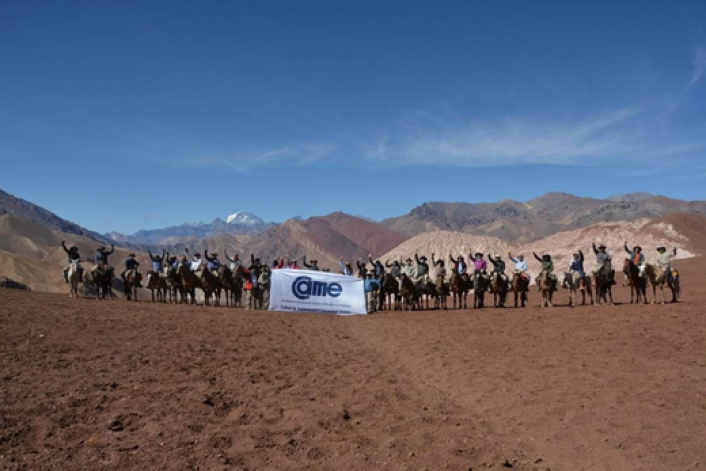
[252, 280]
[264, 283]
[362, 269]
[346, 268]
[439, 267]
[396, 269]
[157, 264]
[575, 266]
[547, 269]
[637, 257]
[73, 257]
[378, 267]
[213, 263]
[664, 260]
[603, 262]
[520, 265]
[313, 266]
[459, 265]
[235, 262]
[498, 266]
[422, 271]
[293, 264]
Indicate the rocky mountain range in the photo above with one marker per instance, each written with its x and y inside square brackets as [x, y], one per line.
[532, 220]
[237, 223]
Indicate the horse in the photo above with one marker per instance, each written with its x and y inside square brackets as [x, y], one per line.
[236, 292]
[225, 277]
[392, 292]
[410, 294]
[604, 286]
[499, 288]
[211, 286]
[520, 287]
[442, 293]
[573, 282]
[102, 277]
[459, 290]
[189, 283]
[131, 281]
[658, 276]
[157, 283]
[72, 276]
[427, 290]
[637, 283]
[547, 286]
[481, 282]
[174, 287]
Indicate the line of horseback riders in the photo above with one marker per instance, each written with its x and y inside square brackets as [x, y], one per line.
[404, 285]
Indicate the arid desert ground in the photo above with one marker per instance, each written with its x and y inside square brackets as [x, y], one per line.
[112, 385]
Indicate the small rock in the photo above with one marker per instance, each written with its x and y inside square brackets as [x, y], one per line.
[346, 415]
[411, 454]
[208, 401]
[41, 336]
[507, 464]
[116, 425]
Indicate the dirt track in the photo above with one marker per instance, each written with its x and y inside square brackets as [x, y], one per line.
[587, 388]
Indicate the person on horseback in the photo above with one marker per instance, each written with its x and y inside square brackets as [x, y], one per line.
[409, 270]
[547, 269]
[196, 261]
[396, 268]
[637, 257]
[362, 269]
[213, 263]
[422, 269]
[278, 264]
[439, 266]
[459, 265]
[576, 266]
[313, 266]
[664, 260]
[480, 266]
[498, 266]
[157, 264]
[378, 267]
[346, 268]
[101, 258]
[520, 266]
[130, 265]
[235, 262]
[74, 258]
[603, 262]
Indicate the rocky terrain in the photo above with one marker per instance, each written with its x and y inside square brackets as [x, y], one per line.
[111, 385]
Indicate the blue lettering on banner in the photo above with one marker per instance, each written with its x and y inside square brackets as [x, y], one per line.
[304, 287]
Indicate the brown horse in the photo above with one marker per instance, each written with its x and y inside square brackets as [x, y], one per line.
[637, 283]
[132, 280]
[158, 286]
[392, 293]
[211, 286]
[459, 290]
[547, 286]
[574, 283]
[481, 282]
[236, 292]
[442, 293]
[658, 276]
[103, 279]
[174, 287]
[189, 283]
[499, 288]
[604, 286]
[225, 277]
[427, 291]
[520, 287]
[410, 294]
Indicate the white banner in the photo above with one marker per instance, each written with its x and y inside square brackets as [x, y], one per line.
[316, 291]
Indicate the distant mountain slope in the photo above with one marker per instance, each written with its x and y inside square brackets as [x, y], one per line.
[10, 204]
[538, 218]
[237, 223]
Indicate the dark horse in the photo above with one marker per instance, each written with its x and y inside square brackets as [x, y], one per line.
[499, 288]
[392, 293]
[481, 283]
[637, 283]
[520, 287]
[103, 279]
[604, 286]
[131, 281]
[410, 294]
[459, 290]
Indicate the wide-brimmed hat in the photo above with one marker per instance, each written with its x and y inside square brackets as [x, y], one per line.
[214, 254]
[637, 247]
[460, 257]
[602, 246]
[546, 256]
[422, 257]
[131, 255]
[497, 255]
[101, 248]
[520, 256]
[479, 253]
[408, 260]
[660, 248]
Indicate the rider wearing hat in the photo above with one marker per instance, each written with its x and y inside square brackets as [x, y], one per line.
[213, 263]
[130, 264]
[73, 257]
[396, 268]
[459, 265]
[196, 261]
[378, 267]
[520, 265]
[576, 266]
[603, 262]
[547, 268]
[498, 266]
[235, 262]
[422, 271]
[479, 265]
[346, 268]
[664, 260]
[439, 266]
[637, 257]
[293, 264]
[313, 266]
[157, 263]
[101, 257]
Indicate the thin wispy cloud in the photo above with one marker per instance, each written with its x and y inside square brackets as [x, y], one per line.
[699, 66]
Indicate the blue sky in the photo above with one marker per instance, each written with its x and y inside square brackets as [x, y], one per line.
[129, 115]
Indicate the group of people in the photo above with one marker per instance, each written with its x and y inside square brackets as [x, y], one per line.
[256, 274]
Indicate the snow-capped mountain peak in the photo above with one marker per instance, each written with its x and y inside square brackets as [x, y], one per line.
[243, 218]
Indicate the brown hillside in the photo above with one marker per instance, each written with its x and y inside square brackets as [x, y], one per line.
[373, 237]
